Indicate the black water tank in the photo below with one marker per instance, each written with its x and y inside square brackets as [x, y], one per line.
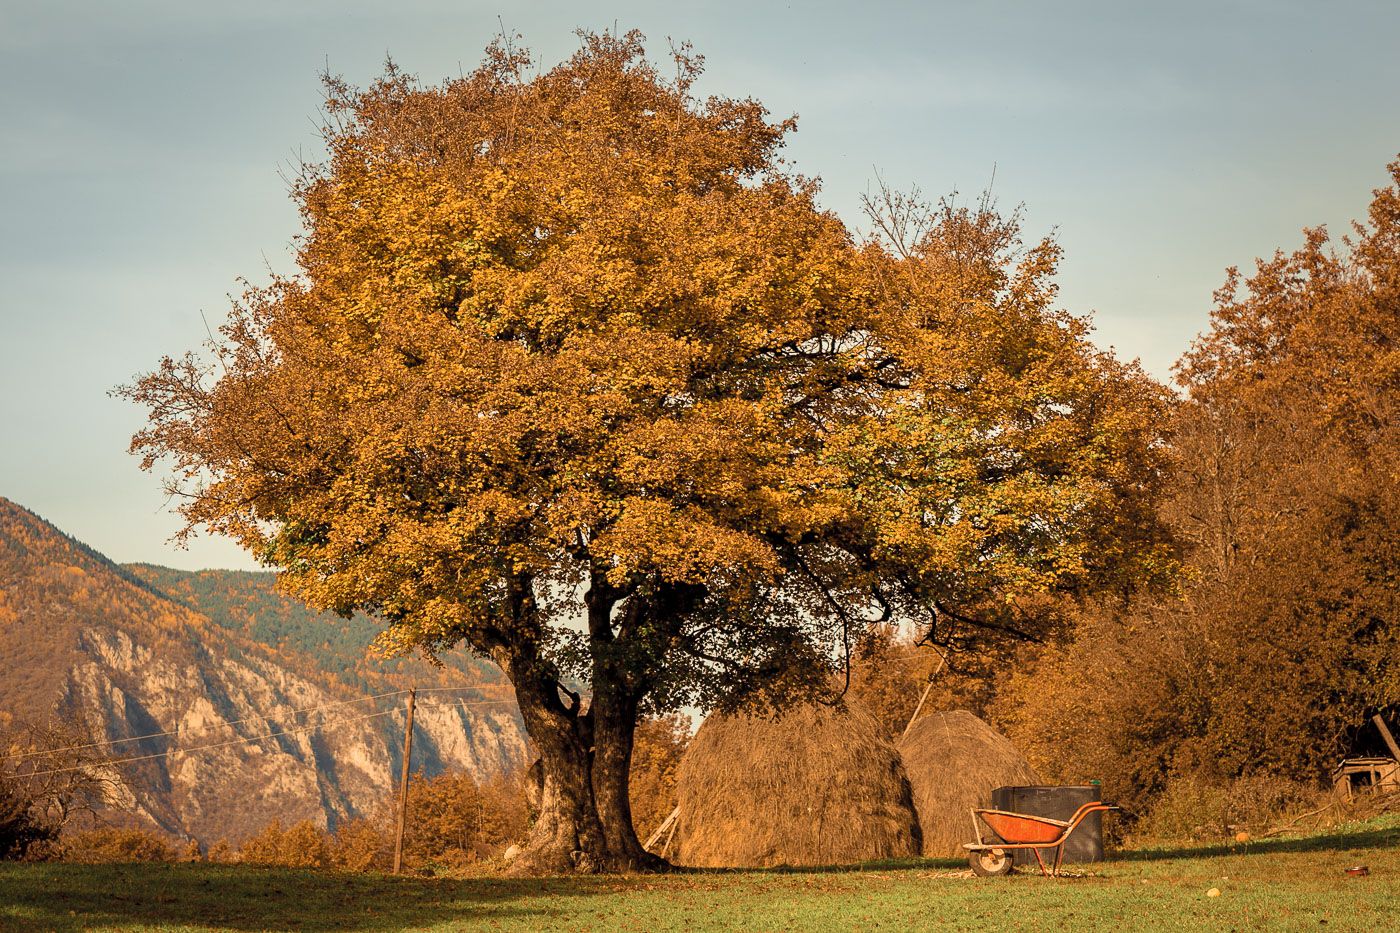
[1058, 803]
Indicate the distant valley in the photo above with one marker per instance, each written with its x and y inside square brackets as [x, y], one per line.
[175, 660]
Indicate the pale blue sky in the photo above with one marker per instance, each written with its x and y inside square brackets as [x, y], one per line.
[142, 144]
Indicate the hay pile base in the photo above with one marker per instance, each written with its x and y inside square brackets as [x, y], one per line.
[955, 761]
[822, 785]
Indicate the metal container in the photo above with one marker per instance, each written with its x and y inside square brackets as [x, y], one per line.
[1058, 803]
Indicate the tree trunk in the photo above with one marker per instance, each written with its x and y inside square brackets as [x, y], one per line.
[567, 835]
[613, 711]
[585, 814]
[614, 725]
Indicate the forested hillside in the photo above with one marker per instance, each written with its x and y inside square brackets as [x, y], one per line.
[250, 604]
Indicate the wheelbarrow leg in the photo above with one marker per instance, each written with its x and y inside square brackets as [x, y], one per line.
[1036, 852]
[1059, 855]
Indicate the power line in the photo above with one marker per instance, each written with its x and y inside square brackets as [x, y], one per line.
[233, 722]
[200, 748]
[258, 738]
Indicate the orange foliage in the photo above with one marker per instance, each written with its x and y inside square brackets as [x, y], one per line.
[302, 846]
[658, 746]
[1287, 488]
[362, 845]
[107, 844]
[453, 820]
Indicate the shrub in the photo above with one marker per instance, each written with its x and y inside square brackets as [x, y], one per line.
[1192, 808]
[302, 846]
[109, 844]
[1187, 810]
[452, 820]
[505, 814]
[220, 853]
[362, 845]
[444, 817]
[1259, 802]
[21, 827]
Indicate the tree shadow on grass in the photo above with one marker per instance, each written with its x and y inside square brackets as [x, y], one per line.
[889, 864]
[153, 895]
[1373, 838]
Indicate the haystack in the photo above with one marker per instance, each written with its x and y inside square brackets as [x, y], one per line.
[955, 761]
[822, 785]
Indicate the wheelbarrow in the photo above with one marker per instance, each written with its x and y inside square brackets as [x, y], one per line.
[1023, 831]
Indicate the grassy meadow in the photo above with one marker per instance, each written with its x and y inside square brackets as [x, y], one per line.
[1278, 884]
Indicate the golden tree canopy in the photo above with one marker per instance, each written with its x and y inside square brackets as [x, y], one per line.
[584, 329]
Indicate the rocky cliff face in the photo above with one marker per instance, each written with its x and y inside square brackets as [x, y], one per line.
[223, 734]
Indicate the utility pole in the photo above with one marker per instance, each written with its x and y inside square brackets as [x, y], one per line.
[403, 784]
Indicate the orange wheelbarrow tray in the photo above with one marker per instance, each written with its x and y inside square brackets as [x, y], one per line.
[1023, 831]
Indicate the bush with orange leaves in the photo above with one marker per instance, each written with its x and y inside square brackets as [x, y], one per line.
[362, 845]
[445, 817]
[302, 846]
[452, 821]
[110, 844]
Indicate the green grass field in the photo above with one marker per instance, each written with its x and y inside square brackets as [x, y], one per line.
[1288, 884]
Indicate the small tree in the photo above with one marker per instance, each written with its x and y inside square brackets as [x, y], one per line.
[363, 844]
[577, 374]
[110, 844]
[445, 818]
[52, 777]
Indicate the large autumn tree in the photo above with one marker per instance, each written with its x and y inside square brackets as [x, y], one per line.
[575, 374]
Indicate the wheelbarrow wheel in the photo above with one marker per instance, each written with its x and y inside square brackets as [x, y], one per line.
[990, 863]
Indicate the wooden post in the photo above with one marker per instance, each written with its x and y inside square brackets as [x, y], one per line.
[1385, 734]
[660, 830]
[922, 697]
[942, 660]
[670, 836]
[403, 786]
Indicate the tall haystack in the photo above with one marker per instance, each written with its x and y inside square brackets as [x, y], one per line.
[955, 761]
[822, 785]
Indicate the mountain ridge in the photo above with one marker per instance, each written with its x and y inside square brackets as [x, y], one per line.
[131, 654]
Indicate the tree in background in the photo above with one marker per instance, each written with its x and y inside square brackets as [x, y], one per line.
[453, 819]
[53, 778]
[1288, 490]
[660, 745]
[578, 346]
[302, 845]
[20, 827]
